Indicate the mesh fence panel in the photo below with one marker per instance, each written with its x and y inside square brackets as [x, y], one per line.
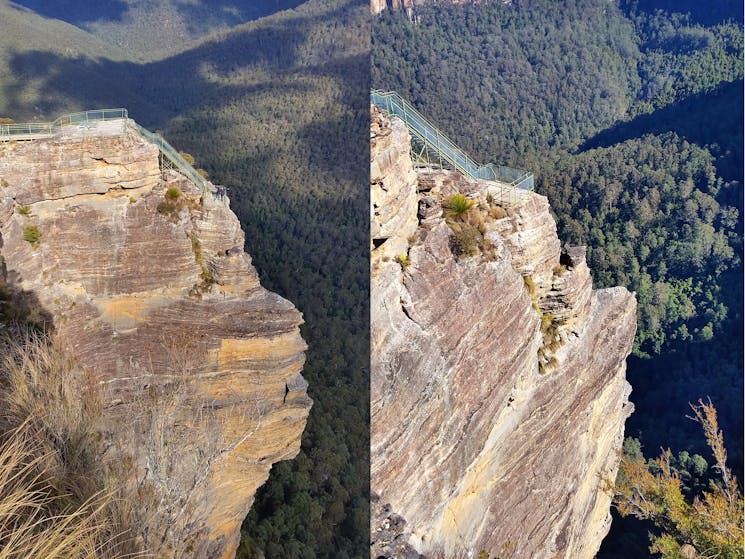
[446, 150]
[35, 129]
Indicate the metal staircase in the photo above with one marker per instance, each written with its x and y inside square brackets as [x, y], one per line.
[437, 149]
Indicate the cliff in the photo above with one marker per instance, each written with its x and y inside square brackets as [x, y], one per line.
[143, 279]
[377, 6]
[498, 391]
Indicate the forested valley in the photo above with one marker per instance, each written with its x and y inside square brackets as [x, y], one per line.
[275, 109]
[631, 117]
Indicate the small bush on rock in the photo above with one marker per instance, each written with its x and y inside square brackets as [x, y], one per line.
[32, 234]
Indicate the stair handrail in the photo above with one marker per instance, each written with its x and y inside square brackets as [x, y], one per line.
[392, 103]
[170, 153]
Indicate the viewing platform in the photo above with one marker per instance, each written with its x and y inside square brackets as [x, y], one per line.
[106, 122]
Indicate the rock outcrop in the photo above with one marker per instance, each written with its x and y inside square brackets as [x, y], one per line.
[377, 6]
[143, 279]
[498, 391]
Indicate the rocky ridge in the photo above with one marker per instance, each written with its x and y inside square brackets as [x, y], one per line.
[377, 6]
[498, 391]
[143, 279]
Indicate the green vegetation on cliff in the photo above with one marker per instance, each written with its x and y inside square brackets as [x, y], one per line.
[631, 119]
[276, 110]
[647, 209]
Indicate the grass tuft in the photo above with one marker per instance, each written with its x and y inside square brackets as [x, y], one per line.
[32, 234]
[52, 498]
[457, 205]
[404, 261]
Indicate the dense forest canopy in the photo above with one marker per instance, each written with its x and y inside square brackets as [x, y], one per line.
[155, 28]
[631, 118]
[277, 111]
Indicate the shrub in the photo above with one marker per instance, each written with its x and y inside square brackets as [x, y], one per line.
[465, 241]
[189, 158]
[559, 269]
[167, 209]
[202, 173]
[547, 320]
[457, 205]
[207, 278]
[24, 210]
[403, 260]
[553, 362]
[32, 234]
[171, 206]
[531, 287]
[497, 212]
[4, 183]
[173, 203]
[131, 199]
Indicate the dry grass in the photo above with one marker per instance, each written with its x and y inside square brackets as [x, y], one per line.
[530, 285]
[36, 522]
[466, 219]
[53, 501]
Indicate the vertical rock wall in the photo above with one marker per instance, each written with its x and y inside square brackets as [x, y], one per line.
[498, 380]
[198, 364]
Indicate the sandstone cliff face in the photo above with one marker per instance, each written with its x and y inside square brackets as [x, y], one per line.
[377, 6]
[199, 365]
[498, 402]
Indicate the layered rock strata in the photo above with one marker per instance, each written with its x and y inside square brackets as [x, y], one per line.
[143, 279]
[498, 392]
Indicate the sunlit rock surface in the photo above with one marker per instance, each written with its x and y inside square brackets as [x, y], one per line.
[199, 365]
[490, 430]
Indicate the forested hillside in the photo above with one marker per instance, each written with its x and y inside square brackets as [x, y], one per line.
[152, 29]
[631, 119]
[276, 110]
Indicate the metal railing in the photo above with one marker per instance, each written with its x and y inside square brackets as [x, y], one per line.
[25, 130]
[445, 150]
[169, 153]
[91, 116]
[33, 130]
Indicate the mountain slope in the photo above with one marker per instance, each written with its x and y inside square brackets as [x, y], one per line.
[155, 29]
[277, 110]
[672, 131]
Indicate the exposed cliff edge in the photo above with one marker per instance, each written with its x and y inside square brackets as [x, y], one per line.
[498, 390]
[377, 6]
[143, 279]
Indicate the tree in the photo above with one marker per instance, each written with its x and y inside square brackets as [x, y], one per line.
[707, 526]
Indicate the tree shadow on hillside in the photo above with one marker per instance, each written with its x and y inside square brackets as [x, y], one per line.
[707, 13]
[78, 12]
[198, 16]
[705, 119]
[48, 84]
[665, 384]
[221, 13]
